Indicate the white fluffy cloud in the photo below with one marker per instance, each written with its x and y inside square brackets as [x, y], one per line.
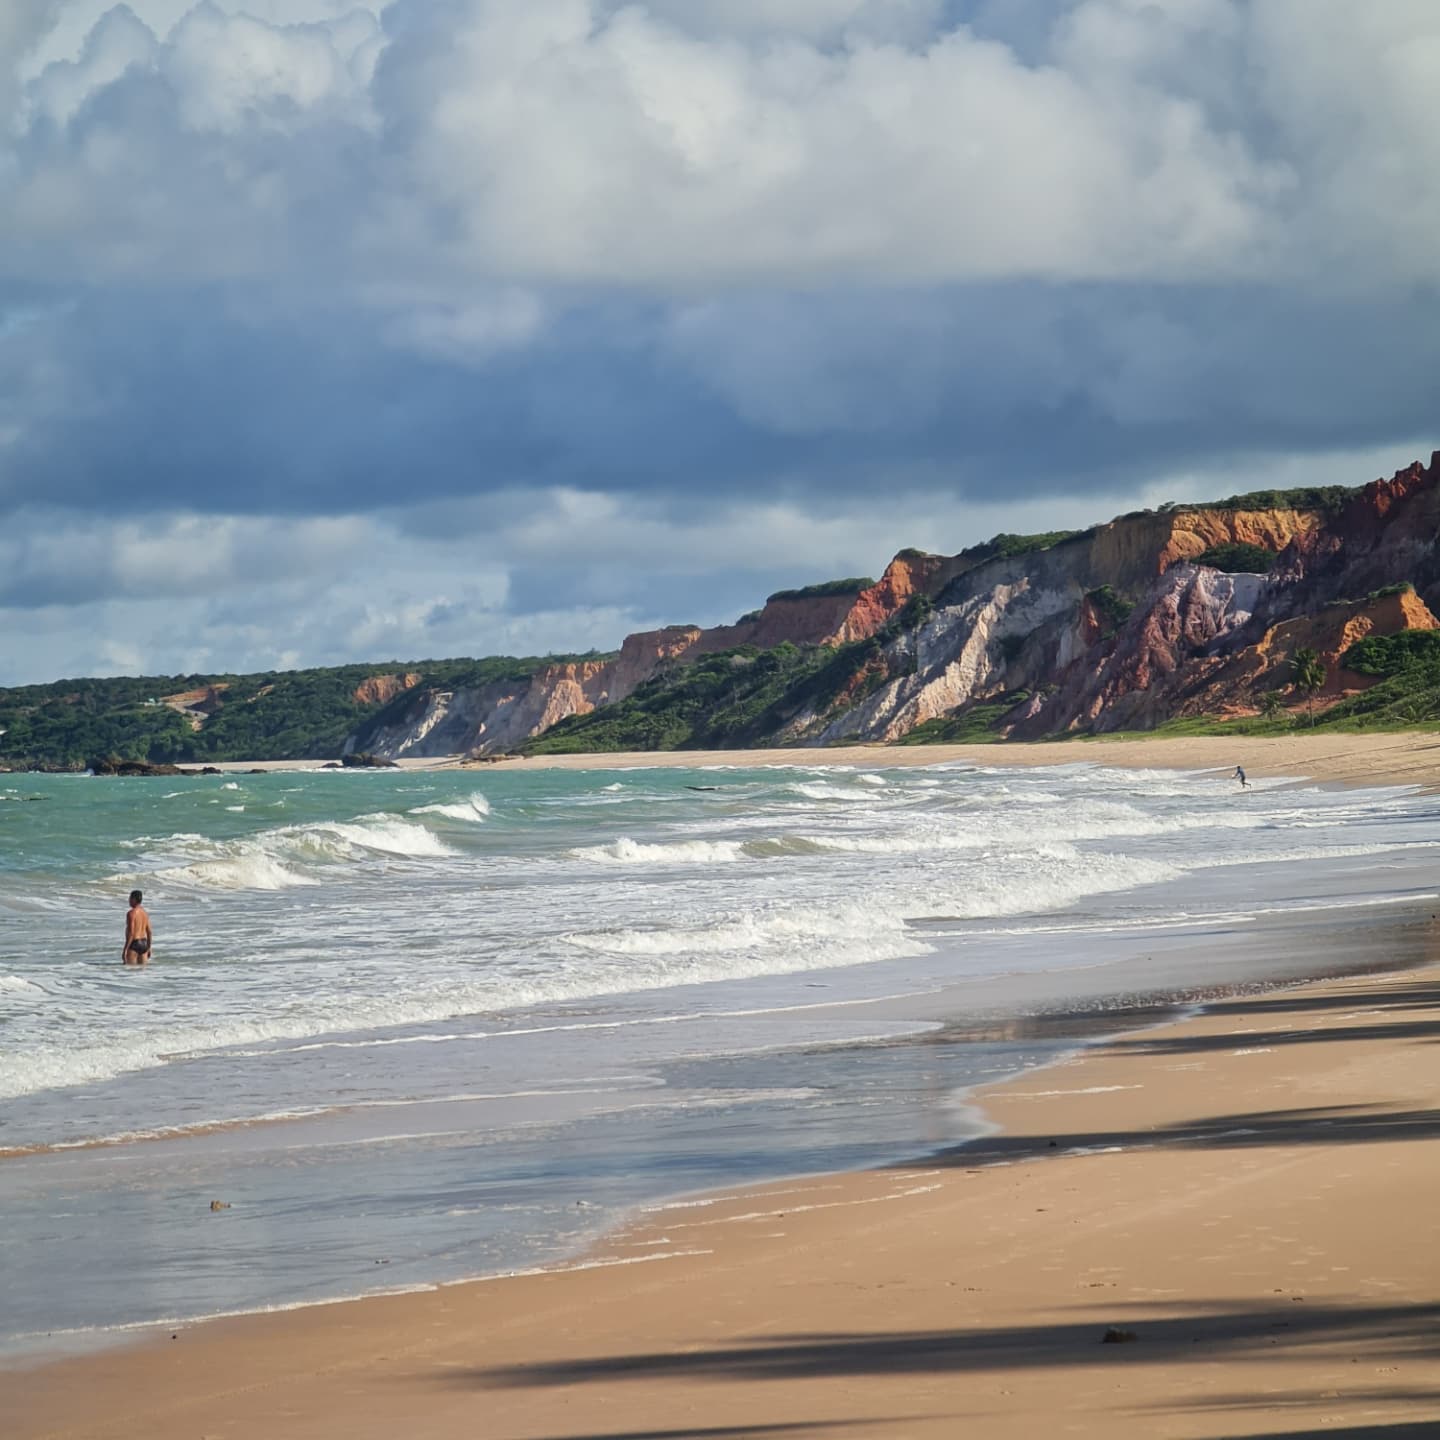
[631, 149]
[689, 145]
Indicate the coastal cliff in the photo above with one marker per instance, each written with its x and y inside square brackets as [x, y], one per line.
[1193, 614]
[1188, 611]
[500, 717]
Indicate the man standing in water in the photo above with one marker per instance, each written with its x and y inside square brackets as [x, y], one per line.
[137, 932]
[1240, 776]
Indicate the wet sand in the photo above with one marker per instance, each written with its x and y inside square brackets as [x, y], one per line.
[1246, 1199]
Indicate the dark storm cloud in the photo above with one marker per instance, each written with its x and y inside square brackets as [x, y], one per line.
[183, 401]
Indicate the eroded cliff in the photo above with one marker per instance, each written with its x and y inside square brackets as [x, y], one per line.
[1125, 625]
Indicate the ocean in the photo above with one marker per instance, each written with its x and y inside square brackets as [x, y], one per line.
[409, 1027]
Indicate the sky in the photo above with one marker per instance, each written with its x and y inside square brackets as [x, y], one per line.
[337, 332]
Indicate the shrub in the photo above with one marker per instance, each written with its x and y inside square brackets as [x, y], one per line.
[1386, 655]
[1235, 557]
[853, 586]
[1112, 607]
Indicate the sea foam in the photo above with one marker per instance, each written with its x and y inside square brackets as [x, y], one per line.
[472, 811]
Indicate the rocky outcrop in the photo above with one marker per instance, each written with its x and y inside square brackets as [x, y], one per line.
[106, 766]
[382, 689]
[197, 706]
[910, 573]
[437, 722]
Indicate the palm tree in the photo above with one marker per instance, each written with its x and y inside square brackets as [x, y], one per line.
[1309, 675]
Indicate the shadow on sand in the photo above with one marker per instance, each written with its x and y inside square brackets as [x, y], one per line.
[1243, 1332]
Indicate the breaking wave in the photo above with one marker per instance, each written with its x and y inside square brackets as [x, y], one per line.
[294, 856]
[801, 937]
[473, 811]
[824, 790]
[625, 851]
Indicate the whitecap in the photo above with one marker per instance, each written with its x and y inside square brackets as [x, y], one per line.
[823, 791]
[625, 851]
[472, 811]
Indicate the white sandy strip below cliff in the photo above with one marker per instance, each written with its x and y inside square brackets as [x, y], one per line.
[1409, 759]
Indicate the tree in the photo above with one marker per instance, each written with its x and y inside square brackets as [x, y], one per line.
[1271, 705]
[1309, 675]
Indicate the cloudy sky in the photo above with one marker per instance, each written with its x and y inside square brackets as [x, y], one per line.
[446, 327]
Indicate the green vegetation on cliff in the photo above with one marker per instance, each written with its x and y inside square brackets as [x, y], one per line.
[1406, 697]
[1006, 546]
[1111, 608]
[1406, 651]
[978, 724]
[724, 701]
[824, 590]
[1328, 499]
[741, 697]
[285, 715]
[1235, 557]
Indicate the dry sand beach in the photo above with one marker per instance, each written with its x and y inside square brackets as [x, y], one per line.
[1383, 758]
[1244, 1200]
[1396, 759]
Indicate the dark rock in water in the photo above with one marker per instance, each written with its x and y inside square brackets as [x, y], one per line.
[113, 766]
[257, 772]
[332, 765]
[1114, 1336]
[205, 770]
[366, 761]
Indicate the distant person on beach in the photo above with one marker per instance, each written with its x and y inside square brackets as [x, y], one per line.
[137, 932]
[1240, 776]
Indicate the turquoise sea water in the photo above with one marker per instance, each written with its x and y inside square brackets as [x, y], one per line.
[413, 1026]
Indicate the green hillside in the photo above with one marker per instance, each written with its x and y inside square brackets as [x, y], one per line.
[277, 715]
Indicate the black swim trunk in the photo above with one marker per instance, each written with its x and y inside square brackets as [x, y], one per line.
[140, 946]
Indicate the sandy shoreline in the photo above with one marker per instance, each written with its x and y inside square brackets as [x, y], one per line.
[1249, 1192]
[1380, 759]
[1409, 759]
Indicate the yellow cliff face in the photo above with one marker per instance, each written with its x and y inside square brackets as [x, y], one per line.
[1136, 549]
[1195, 531]
[575, 688]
